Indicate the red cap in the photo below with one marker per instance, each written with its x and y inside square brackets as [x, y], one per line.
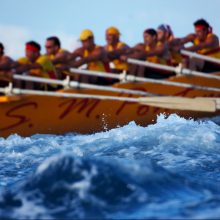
[31, 47]
[200, 26]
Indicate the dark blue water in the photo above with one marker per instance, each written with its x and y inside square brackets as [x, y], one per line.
[167, 170]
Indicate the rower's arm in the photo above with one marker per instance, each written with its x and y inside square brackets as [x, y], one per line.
[6, 64]
[136, 52]
[159, 50]
[118, 52]
[61, 57]
[76, 53]
[187, 39]
[20, 68]
[211, 42]
[98, 54]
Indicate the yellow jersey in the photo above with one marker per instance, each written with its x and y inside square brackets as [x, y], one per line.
[165, 59]
[61, 74]
[96, 65]
[212, 52]
[47, 69]
[52, 56]
[119, 64]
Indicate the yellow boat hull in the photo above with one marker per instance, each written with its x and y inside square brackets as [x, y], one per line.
[31, 114]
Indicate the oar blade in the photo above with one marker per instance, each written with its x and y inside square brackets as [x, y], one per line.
[180, 103]
[216, 100]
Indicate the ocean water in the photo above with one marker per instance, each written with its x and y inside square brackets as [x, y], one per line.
[170, 169]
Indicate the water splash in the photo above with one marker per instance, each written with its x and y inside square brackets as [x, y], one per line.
[169, 169]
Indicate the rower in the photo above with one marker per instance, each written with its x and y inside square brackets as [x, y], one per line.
[57, 55]
[153, 51]
[205, 43]
[5, 67]
[165, 36]
[37, 65]
[115, 48]
[94, 56]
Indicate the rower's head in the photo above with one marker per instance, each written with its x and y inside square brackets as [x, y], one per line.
[202, 28]
[150, 37]
[164, 32]
[87, 39]
[1, 49]
[32, 50]
[112, 35]
[52, 45]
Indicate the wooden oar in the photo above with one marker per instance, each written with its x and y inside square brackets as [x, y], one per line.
[123, 77]
[178, 70]
[74, 84]
[199, 56]
[179, 103]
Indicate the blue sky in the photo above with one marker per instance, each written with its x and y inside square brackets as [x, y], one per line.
[24, 20]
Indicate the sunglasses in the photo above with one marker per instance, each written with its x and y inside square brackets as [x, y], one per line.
[48, 47]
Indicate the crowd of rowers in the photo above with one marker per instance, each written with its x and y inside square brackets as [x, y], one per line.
[158, 46]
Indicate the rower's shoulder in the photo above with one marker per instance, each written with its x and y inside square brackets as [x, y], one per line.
[63, 51]
[213, 36]
[23, 60]
[78, 51]
[6, 58]
[123, 45]
[139, 46]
